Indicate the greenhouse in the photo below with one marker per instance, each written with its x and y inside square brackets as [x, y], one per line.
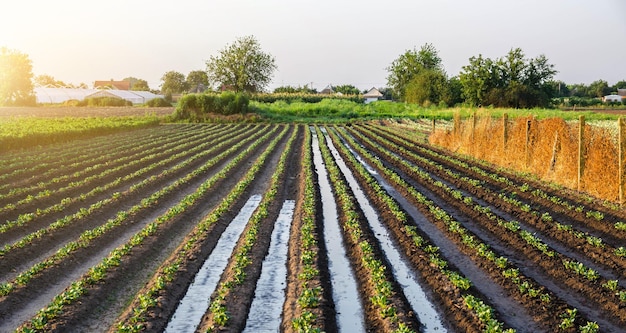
[49, 95]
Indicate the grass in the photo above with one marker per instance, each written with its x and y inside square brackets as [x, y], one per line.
[339, 111]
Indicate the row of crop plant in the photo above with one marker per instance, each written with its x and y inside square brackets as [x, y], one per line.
[27, 217]
[308, 318]
[85, 212]
[218, 318]
[124, 155]
[574, 203]
[487, 222]
[99, 272]
[27, 132]
[88, 236]
[589, 245]
[421, 247]
[115, 169]
[136, 320]
[381, 293]
[532, 193]
[42, 163]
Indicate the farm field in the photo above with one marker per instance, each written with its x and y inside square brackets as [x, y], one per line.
[297, 228]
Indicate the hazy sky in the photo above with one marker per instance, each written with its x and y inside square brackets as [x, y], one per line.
[319, 42]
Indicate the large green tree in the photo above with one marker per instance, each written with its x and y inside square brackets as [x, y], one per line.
[242, 66]
[347, 89]
[48, 80]
[173, 83]
[510, 81]
[16, 75]
[197, 81]
[408, 65]
[599, 88]
[137, 84]
[428, 86]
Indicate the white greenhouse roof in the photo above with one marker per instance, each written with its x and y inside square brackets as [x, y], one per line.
[60, 95]
[136, 97]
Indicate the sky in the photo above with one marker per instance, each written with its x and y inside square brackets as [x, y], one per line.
[314, 43]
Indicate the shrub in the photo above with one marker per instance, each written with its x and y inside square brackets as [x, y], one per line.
[199, 107]
[158, 103]
[104, 101]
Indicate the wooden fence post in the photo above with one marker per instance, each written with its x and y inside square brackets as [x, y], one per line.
[581, 151]
[473, 125]
[622, 148]
[528, 123]
[433, 125]
[505, 130]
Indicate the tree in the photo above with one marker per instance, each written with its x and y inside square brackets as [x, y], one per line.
[599, 88]
[173, 83]
[16, 75]
[48, 80]
[427, 87]
[476, 79]
[619, 85]
[197, 81]
[137, 84]
[560, 88]
[347, 89]
[510, 81]
[242, 66]
[292, 90]
[403, 69]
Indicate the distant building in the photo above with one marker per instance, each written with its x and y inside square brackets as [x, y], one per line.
[372, 95]
[612, 98]
[621, 92]
[328, 90]
[115, 85]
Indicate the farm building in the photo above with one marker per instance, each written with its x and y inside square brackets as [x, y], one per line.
[328, 90]
[372, 95]
[612, 98]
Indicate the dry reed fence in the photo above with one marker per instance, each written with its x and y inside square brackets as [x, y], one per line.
[548, 148]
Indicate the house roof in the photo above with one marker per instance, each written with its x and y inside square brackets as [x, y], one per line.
[373, 93]
[117, 85]
[621, 92]
[328, 90]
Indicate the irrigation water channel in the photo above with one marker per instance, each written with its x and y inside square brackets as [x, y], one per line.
[513, 313]
[194, 304]
[267, 305]
[348, 308]
[424, 309]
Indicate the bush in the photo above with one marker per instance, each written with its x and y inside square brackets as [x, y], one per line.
[104, 101]
[158, 103]
[199, 107]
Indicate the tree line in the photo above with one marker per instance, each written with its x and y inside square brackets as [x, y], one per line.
[416, 76]
[513, 80]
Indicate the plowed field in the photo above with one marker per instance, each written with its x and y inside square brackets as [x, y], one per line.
[295, 228]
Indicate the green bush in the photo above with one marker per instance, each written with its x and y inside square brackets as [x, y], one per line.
[197, 107]
[158, 103]
[104, 101]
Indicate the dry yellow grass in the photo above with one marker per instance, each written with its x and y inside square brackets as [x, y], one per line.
[551, 152]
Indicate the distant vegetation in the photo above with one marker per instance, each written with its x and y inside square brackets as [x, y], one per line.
[104, 101]
[17, 133]
[201, 107]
